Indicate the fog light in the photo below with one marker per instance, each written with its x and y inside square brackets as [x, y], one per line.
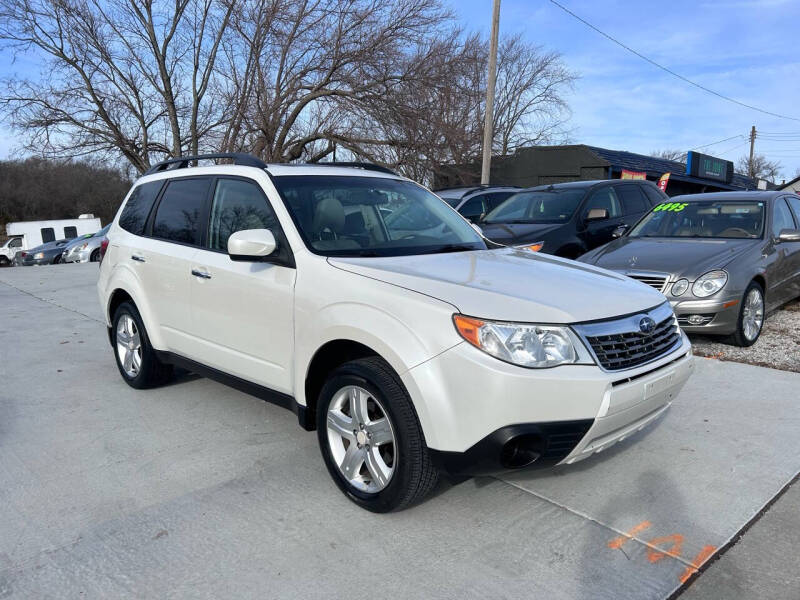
[696, 320]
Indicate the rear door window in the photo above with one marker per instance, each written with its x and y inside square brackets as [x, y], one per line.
[181, 211]
[655, 195]
[134, 215]
[48, 234]
[633, 201]
[472, 208]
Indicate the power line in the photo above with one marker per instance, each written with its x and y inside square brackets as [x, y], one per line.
[719, 142]
[668, 70]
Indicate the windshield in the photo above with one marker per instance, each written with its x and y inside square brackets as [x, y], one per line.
[373, 216]
[545, 206]
[721, 219]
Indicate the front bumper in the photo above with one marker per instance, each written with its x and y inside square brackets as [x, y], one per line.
[720, 314]
[76, 256]
[478, 413]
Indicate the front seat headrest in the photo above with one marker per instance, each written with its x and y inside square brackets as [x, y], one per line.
[329, 214]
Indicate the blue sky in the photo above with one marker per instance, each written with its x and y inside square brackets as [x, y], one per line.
[746, 50]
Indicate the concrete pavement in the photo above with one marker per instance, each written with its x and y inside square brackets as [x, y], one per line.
[198, 490]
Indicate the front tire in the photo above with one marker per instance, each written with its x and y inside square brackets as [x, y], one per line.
[370, 437]
[136, 358]
[751, 317]
[95, 256]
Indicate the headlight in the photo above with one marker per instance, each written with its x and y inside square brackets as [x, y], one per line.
[534, 247]
[38, 255]
[84, 245]
[709, 284]
[524, 344]
[679, 287]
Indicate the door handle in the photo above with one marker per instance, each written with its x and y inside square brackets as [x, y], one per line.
[137, 258]
[201, 274]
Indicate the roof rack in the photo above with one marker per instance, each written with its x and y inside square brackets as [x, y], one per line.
[239, 158]
[354, 165]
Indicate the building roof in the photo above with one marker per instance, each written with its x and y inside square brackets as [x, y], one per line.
[658, 166]
[789, 184]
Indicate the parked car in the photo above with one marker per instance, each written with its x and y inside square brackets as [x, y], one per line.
[474, 202]
[724, 260]
[31, 234]
[46, 254]
[85, 249]
[569, 219]
[408, 354]
[9, 249]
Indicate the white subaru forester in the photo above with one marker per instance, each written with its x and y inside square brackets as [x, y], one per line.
[374, 311]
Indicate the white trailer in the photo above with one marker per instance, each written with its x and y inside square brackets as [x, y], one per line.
[25, 235]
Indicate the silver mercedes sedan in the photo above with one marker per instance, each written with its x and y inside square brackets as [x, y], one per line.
[723, 260]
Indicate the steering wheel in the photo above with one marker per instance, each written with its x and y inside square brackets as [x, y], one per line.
[731, 230]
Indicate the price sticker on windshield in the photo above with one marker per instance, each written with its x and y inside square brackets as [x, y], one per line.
[671, 206]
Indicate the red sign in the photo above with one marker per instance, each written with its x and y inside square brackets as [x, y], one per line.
[662, 183]
[633, 174]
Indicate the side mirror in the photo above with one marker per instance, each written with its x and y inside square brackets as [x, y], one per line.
[789, 235]
[477, 228]
[619, 231]
[597, 214]
[251, 244]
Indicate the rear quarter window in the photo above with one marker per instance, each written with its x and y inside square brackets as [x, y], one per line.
[654, 195]
[140, 202]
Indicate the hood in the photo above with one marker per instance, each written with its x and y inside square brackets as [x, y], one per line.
[511, 285]
[684, 257]
[510, 234]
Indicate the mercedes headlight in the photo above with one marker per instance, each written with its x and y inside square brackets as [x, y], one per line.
[679, 287]
[709, 284]
[524, 344]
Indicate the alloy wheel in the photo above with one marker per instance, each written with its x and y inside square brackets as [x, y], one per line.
[129, 345]
[753, 314]
[361, 439]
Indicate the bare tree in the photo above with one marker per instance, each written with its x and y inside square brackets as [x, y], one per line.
[128, 77]
[397, 82]
[670, 154]
[762, 168]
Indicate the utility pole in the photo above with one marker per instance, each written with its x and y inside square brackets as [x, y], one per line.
[489, 117]
[750, 164]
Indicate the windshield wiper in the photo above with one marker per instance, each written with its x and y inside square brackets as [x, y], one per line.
[452, 248]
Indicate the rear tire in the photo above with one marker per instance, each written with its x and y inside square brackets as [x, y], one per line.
[136, 358]
[403, 472]
[751, 317]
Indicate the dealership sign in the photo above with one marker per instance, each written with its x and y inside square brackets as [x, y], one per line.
[633, 174]
[709, 167]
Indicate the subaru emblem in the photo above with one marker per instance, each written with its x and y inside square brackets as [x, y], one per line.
[647, 325]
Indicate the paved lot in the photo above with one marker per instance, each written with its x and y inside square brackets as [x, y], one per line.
[198, 490]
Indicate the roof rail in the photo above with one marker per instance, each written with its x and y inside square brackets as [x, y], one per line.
[239, 158]
[355, 165]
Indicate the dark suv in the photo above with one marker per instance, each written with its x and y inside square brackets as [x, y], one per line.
[569, 219]
[473, 203]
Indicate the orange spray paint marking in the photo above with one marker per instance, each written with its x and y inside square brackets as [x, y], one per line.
[617, 543]
[698, 561]
[654, 555]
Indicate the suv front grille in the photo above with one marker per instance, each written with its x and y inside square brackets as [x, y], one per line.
[620, 344]
[658, 282]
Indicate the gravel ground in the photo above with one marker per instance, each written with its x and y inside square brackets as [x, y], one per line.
[777, 348]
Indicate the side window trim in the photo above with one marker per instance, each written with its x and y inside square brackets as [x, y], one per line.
[203, 224]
